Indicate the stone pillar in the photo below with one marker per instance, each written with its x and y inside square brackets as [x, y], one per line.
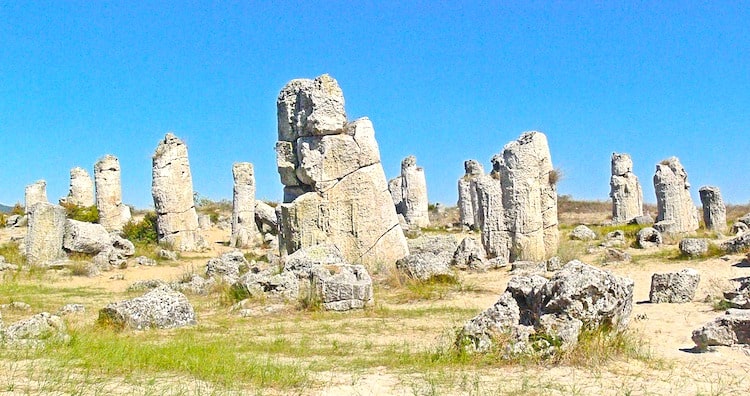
[527, 181]
[625, 190]
[243, 205]
[467, 199]
[81, 191]
[395, 187]
[113, 214]
[172, 189]
[414, 193]
[335, 190]
[35, 193]
[714, 210]
[676, 211]
[490, 216]
[44, 236]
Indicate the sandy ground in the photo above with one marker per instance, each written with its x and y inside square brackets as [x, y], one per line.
[665, 328]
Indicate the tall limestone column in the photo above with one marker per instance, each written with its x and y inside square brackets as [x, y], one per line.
[44, 236]
[172, 189]
[335, 190]
[526, 226]
[467, 197]
[35, 193]
[714, 210]
[414, 193]
[243, 205]
[81, 192]
[625, 190]
[676, 211]
[113, 214]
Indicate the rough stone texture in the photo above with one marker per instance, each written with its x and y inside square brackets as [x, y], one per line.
[519, 210]
[113, 214]
[693, 247]
[615, 255]
[44, 236]
[740, 296]
[265, 217]
[284, 285]
[674, 287]
[625, 190]
[676, 211]
[739, 243]
[85, 237]
[69, 309]
[343, 287]
[204, 221]
[577, 297]
[582, 233]
[648, 237]
[396, 188]
[304, 260]
[614, 238]
[42, 326]
[161, 308]
[469, 255]
[467, 196]
[738, 228]
[244, 230]
[426, 265]
[335, 188]
[172, 189]
[643, 220]
[414, 193]
[35, 193]
[81, 192]
[195, 284]
[521, 267]
[729, 329]
[714, 210]
[227, 267]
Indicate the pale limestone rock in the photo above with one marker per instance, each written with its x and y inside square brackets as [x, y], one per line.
[85, 237]
[35, 193]
[467, 196]
[113, 214]
[81, 191]
[527, 224]
[674, 287]
[625, 190]
[265, 217]
[244, 230]
[676, 211]
[335, 189]
[172, 189]
[714, 210]
[414, 193]
[395, 187]
[44, 236]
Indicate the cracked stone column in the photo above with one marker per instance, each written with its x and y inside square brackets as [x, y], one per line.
[625, 190]
[44, 236]
[244, 230]
[676, 211]
[35, 193]
[113, 214]
[414, 193]
[467, 196]
[714, 210]
[81, 192]
[172, 189]
[335, 190]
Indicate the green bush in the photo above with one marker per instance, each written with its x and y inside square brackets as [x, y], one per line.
[89, 214]
[143, 231]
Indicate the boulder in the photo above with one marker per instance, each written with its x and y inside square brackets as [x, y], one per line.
[469, 255]
[85, 237]
[40, 327]
[648, 237]
[161, 308]
[674, 287]
[582, 233]
[693, 247]
[737, 244]
[265, 217]
[615, 255]
[304, 260]
[726, 330]
[283, 285]
[343, 287]
[227, 267]
[426, 266]
[194, 284]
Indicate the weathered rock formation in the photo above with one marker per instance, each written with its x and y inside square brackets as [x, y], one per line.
[44, 237]
[414, 193]
[714, 210]
[467, 195]
[676, 212]
[81, 192]
[518, 201]
[172, 189]
[265, 217]
[625, 190]
[161, 308]
[244, 229]
[648, 237]
[113, 214]
[582, 233]
[693, 247]
[726, 330]
[335, 190]
[674, 287]
[35, 193]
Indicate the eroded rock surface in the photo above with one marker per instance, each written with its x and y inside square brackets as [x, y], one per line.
[625, 190]
[467, 195]
[676, 211]
[44, 236]
[81, 192]
[113, 214]
[161, 308]
[244, 230]
[714, 210]
[674, 287]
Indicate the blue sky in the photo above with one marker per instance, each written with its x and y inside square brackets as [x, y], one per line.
[445, 81]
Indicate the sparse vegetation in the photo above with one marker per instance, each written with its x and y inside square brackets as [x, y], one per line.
[143, 231]
[12, 253]
[89, 214]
